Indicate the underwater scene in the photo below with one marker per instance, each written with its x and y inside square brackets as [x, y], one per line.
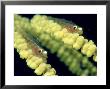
[55, 45]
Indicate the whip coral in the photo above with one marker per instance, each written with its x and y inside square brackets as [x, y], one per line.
[59, 36]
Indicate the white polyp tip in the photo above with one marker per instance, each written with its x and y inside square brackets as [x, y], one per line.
[80, 29]
[45, 52]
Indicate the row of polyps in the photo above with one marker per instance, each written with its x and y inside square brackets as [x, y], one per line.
[67, 55]
[78, 42]
[26, 53]
[33, 61]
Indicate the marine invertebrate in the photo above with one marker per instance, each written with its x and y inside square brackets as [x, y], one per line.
[59, 32]
[61, 37]
[35, 56]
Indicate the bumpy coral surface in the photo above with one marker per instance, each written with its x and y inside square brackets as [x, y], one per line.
[61, 37]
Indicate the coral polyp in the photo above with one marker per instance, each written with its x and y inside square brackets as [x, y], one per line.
[35, 56]
[60, 37]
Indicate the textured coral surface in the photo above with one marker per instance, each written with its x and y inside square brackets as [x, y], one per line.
[43, 38]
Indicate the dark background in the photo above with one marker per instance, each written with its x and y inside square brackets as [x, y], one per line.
[89, 24]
